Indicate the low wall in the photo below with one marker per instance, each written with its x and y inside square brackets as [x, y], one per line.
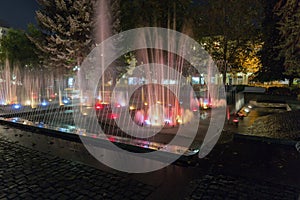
[235, 100]
[239, 100]
[260, 90]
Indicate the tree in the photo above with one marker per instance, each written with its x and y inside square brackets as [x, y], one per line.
[289, 27]
[272, 62]
[66, 31]
[228, 27]
[248, 58]
[18, 49]
[171, 14]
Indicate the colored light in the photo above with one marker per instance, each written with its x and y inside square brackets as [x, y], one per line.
[113, 116]
[65, 101]
[99, 106]
[235, 120]
[112, 139]
[16, 106]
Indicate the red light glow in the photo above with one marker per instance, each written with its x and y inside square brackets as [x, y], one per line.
[99, 106]
[235, 120]
[112, 139]
[113, 116]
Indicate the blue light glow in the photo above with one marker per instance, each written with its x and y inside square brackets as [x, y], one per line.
[66, 101]
[16, 106]
[44, 103]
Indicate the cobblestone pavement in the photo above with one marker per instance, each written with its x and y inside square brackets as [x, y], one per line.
[284, 126]
[270, 123]
[225, 187]
[30, 174]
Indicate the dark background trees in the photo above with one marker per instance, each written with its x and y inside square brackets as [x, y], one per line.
[18, 49]
[289, 27]
[281, 36]
[272, 62]
[173, 14]
[229, 29]
[232, 31]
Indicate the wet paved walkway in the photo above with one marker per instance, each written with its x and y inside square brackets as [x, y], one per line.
[224, 187]
[30, 174]
[238, 170]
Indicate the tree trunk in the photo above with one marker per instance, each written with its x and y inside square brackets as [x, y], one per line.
[225, 60]
[225, 44]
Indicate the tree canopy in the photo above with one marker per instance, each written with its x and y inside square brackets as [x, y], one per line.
[173, 14]
[66, 31]
[272, 62]
[289, 27]
[229, 30]
[18, 49]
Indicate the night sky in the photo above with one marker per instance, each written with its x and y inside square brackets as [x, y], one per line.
[18, 13]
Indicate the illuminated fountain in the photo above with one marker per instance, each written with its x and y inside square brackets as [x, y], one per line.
[154, 95]
[31, 97]
[26, 88]
[9, 83]
[153, 101]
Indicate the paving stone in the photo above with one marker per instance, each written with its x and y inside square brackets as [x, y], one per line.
[239, 188]
[284, 125]
[29, 174]
[12, 196]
